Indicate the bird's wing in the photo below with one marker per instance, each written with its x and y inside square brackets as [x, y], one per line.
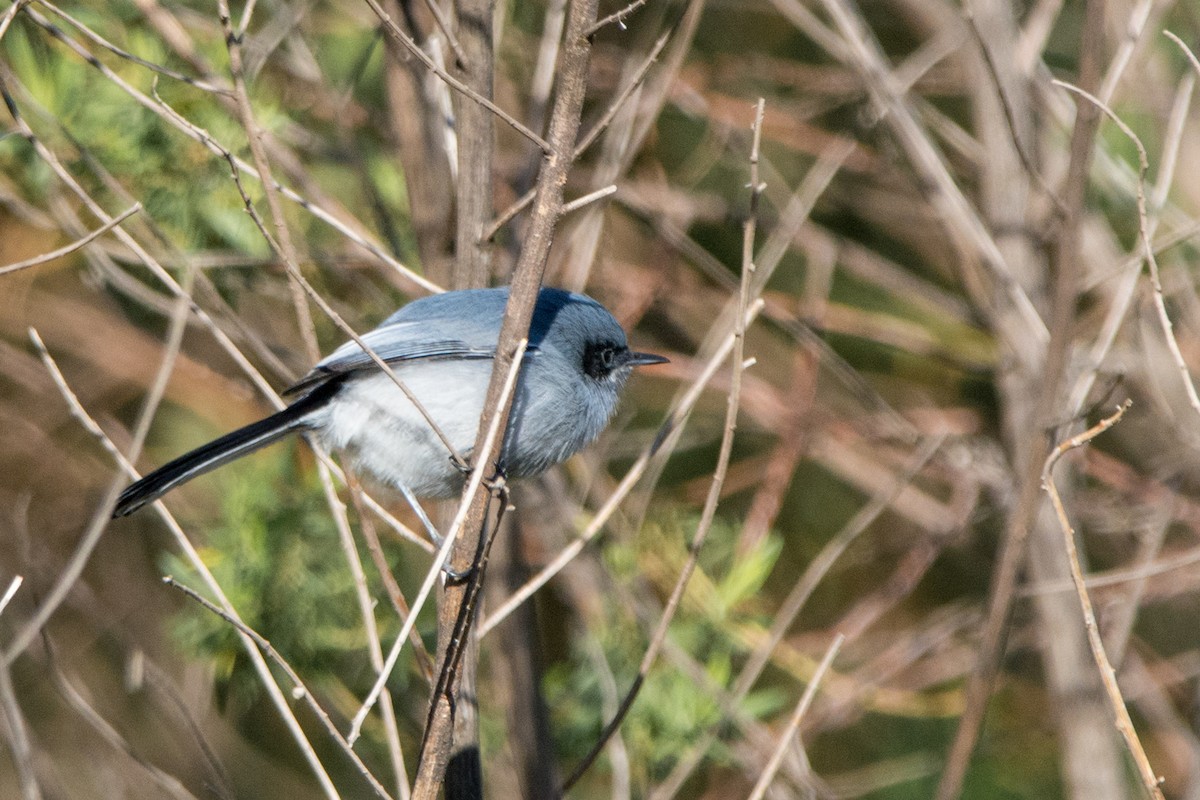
[394, 343]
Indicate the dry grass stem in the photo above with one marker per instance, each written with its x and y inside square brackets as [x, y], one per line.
[299, 690]
[73, 246]
[793, 726]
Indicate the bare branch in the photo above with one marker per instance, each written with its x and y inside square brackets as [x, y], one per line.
[1150, 781]
[396, 33]
[300, 691]
[709, 512]
[73, 246]
[793, 726]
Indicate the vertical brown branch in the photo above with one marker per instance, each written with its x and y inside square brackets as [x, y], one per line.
[417, 127]
[476, 132]
[474, 125]
[454, 613]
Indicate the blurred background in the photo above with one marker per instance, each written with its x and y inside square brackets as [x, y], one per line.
[951, 250]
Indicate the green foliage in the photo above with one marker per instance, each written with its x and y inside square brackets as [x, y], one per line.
[276, 553]
[675, 707]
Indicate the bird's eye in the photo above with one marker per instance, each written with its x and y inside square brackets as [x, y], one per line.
[599, 359]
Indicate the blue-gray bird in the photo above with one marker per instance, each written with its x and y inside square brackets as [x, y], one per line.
[441, 347]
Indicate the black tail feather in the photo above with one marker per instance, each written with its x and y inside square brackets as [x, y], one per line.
[221, 451]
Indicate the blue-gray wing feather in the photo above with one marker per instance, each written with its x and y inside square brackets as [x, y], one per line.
[394, 343]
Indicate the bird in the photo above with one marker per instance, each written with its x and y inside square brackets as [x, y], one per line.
[441, 347]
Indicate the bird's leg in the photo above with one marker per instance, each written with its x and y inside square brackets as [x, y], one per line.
[432, 531]
[498, 486]
[413, 503]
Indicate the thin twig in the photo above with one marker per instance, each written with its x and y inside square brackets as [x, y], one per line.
[366, 609]
[617, 17]
[793, 726]
[718, 480]
[101, 516]
[193, 557]
[75, 245]
[1132, 31]
[300, 281]
[588, 138]
[1160, 303]
[588, 199]
[285, 247]
[1006, 107]
[399, 35]
[447, 30]
[787, 611]
[1035, 397]
[13, 586]
[88, 33]
[18, 738]
[390, 586]
[168, 784]
[300, 690]
[1150, 781]
[1131, 268]
[197, 134]
[1020, 321]
[13, 9]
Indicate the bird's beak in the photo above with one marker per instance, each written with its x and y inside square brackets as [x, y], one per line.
[645, 359]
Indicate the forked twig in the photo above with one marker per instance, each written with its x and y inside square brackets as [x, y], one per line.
[1124, 724]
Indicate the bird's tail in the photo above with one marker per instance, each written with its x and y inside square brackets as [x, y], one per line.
[221, 451]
